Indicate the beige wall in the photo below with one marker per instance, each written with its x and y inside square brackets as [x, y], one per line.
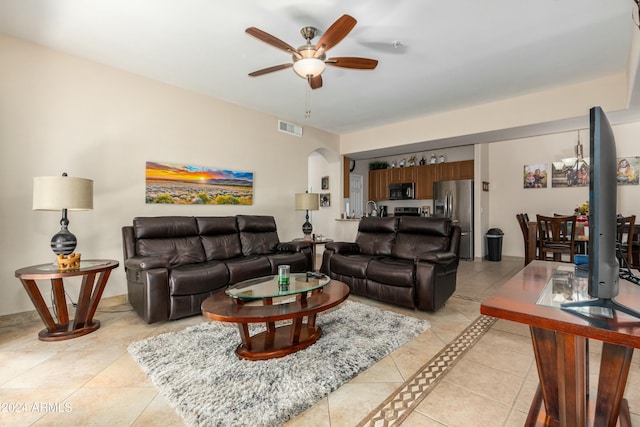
[561, 103]
[507, 197]
[59, 113]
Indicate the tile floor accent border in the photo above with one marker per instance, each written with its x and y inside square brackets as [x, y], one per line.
[406, 398]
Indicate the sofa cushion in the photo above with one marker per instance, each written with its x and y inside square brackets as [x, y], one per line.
[419, 225]
[297, 261]
[198, 278]
[177, 251]
[164, 227]
[392, 271]
[220, 238]
[350, 265]
[417, 235]
[172, 238]
[376, 235]
[258, 234]
[249, 267]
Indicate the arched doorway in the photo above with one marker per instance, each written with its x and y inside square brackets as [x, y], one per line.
[325, 178]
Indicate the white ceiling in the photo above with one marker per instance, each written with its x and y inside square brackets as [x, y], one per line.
[452, 54]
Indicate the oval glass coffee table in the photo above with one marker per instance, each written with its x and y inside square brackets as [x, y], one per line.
[252, 301]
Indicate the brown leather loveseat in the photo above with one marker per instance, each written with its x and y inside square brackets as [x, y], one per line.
[406, 261]
[174, 263]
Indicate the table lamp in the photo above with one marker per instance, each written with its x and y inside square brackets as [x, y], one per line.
[54, 193]
[307, 202]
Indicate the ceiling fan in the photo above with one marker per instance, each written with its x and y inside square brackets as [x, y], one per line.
[309, 60]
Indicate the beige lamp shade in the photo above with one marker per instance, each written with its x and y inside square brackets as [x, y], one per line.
[54, 193]
[307, 201]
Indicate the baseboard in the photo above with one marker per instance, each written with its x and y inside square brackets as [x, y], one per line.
[32, 315]
[502, 258]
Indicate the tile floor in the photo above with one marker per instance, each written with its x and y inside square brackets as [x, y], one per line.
[92, 380]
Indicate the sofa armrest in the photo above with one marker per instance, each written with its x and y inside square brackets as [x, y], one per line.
[437, 257]
[343, 247]
[293, 246]
[128, 242]
[436, 273]
[333, 248]
[148, 293]
[140, 263]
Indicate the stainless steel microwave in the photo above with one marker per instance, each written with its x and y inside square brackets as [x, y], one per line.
[403, 191]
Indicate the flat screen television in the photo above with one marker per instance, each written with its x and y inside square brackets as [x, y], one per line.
[603, 191]
[603, 264]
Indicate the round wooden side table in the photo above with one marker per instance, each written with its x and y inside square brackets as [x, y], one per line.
[313, 244]
[90, 294]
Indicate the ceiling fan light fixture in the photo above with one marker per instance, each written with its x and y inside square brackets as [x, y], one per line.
[309, 67]
[309, 60]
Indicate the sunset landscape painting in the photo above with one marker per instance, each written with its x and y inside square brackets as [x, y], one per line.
[172, 183]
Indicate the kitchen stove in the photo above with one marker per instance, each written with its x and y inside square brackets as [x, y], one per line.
[406, 211]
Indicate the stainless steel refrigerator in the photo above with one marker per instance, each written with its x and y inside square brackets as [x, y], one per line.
[454, 199]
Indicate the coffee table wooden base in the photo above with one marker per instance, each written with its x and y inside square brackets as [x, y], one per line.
[271, 345]
[281, 340]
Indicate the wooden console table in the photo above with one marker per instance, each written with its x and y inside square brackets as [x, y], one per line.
[88, 299]
[560, 344]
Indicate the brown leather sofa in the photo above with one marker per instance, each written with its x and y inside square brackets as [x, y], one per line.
[174, 263]
[406, 261]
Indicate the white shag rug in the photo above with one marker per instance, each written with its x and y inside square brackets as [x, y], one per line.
[198, 372]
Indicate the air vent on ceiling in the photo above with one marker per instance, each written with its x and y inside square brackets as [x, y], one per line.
[289, 128]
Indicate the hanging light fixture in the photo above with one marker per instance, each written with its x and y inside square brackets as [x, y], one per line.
[308, 67]
[309, 62]
[578, 149]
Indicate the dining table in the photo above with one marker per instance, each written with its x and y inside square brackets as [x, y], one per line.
[581, 239]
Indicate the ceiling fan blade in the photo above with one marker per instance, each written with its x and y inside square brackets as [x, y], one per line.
[271, 40]
[270, 70]
[353, 62]
[336, 32]
[315, 82]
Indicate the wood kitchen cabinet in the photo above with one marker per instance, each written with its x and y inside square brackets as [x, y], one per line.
[423, 176]
[456, 170]
[426, 175]
[379, 184]
[346, 177]
[402, 175]
[379, 180]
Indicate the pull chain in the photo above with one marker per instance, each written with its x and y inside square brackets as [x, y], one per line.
[307, 110]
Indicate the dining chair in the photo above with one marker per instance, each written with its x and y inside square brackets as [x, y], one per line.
[625, 236]
[556, 237]
[635, 245]
[523, 221]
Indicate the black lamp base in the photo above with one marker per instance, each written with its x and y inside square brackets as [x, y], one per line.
[307, 228]
[63, 242]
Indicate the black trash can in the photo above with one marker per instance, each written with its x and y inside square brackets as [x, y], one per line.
[494, 242]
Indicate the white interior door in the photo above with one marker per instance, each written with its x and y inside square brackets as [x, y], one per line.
[356, 201]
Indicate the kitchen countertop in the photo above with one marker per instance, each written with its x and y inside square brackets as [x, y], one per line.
[358, 219]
